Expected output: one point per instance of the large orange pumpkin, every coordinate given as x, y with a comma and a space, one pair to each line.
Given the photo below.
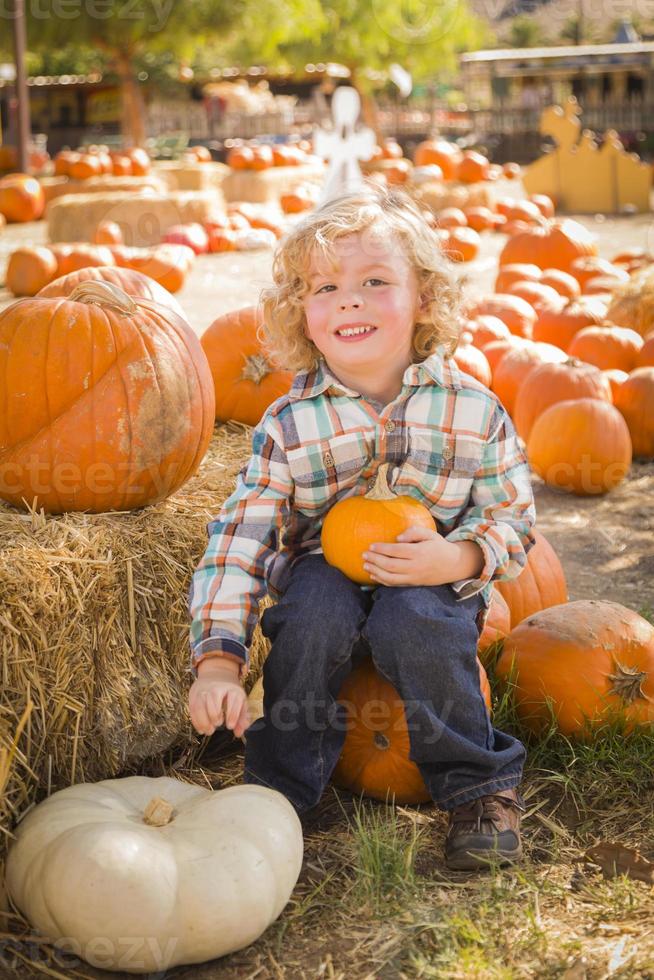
581, 446
375, 757
558, 327
245, 383
21, 198
556, 382
132, 282
646, 353
593, 660
354, 523
635, 400
472, 361
554, 245
540, 584
108, 403
30, 269
607, 347
516, 366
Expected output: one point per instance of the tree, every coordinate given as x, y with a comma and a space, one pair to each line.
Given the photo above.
123, 31
525, 32
367, 36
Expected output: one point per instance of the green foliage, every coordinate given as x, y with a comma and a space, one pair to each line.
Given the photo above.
525, 32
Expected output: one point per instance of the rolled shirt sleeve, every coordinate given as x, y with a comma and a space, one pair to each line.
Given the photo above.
230, 580
501, 509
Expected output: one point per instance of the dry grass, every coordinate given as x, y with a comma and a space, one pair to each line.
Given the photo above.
94, 634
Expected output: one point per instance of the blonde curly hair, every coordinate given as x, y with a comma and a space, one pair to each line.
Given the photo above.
283, 333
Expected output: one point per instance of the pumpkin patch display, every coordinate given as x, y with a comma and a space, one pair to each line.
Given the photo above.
375, 756
593, 661
540, 584
108, 402
166, 872
354, 523
245, 382
553, 245
582, 446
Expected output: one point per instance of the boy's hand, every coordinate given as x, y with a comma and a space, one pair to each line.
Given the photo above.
423, 557
216, 698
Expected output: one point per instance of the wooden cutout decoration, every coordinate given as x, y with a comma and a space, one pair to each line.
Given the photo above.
344, 146
582, 178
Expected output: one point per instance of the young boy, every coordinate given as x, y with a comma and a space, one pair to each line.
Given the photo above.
364, 309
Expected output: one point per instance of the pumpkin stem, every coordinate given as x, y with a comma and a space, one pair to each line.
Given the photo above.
158, 812
256, 368
627, 682
105, 294
381, 489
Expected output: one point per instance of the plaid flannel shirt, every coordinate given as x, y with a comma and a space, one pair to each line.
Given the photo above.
450, 443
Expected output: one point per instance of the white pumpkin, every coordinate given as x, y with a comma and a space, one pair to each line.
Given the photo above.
143, 874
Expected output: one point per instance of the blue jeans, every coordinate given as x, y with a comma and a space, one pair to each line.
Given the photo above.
422, 639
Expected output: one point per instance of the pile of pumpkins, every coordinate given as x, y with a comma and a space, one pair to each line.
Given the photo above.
265, 156
567, 346
94, 161
244, 227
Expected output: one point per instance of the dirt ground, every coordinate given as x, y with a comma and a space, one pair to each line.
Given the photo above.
606, 544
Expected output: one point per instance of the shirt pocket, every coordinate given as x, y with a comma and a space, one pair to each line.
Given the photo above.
438, 459
323, 469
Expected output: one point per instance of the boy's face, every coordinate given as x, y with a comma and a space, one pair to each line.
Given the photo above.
361, 306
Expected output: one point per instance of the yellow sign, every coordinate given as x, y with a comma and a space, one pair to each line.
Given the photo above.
103, 106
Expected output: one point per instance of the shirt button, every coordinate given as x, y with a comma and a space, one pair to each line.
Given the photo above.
328, 459
448, 452
390, 426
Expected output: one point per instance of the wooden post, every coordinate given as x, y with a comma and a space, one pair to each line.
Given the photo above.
22, 97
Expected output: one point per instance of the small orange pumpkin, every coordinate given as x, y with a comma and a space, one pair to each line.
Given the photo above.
557, 382
21, 198
29, 270
354, 523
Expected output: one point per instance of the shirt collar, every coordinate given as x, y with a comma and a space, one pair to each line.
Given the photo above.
435, 369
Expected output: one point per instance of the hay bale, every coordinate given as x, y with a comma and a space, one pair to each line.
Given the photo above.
143, 217
451, 194
267, 185
180, 176
94, 633
54, 187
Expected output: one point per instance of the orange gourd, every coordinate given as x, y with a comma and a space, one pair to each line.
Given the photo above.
592, 660
473, 167
108, 402
540, 584
551, 383
375, 756
645, 356
446, 155
30, 269
354, 523
245, 382
84, 166
581, 446
635, 400
615, 378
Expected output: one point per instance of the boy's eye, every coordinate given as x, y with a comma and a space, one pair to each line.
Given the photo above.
376, 281
327, 286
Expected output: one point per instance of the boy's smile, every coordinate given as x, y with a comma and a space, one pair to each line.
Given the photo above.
361, 309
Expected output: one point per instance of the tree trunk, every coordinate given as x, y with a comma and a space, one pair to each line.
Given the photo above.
368, 104
132, 123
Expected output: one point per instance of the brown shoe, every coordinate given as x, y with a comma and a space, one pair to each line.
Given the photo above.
485, 831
